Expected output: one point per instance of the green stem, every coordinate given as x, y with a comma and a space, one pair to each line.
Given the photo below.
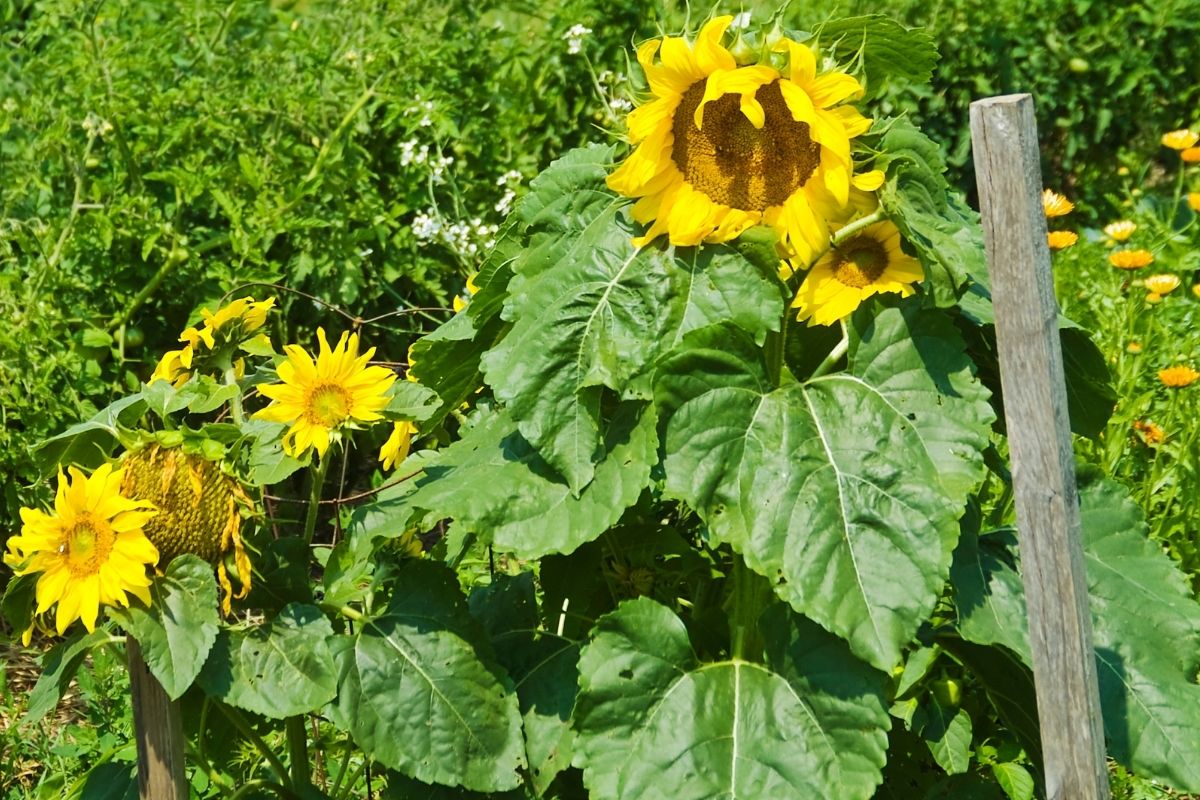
297, 738
858, 225
239, 722
749, 596
835, 355
235, 404
341, 773
349, 787
149, 289
345, 611
249, 786
314, 502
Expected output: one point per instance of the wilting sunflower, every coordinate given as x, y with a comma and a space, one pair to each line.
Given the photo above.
220, 334
318, 398
1055, 204
91, 551
722, 147
1131, 259
1181, 139
869, 262
1120, 230
198, 509
1178, 377
396, 448
1060, 240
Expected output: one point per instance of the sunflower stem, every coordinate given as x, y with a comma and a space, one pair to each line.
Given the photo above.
749, 596
235, 403
314, 503
244, 728
835, 355
857, 225
297, 738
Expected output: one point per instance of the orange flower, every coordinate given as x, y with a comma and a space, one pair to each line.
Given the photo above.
1131, 259
1149, 432
1162, 284
1178, 377
1060, 240
1191, 155
1055, 205
1133, 348
1194, 201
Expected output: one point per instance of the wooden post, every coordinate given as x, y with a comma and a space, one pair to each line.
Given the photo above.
158, 727
1004, 139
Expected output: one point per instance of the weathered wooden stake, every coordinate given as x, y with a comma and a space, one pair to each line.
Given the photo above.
1004, 139
159, 730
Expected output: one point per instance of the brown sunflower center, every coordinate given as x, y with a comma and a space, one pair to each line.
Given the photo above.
860, 262
736, 164
328, 405
87, 545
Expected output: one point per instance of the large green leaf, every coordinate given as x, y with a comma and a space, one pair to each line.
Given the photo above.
59, 665
940, 227
888, 50
1146, 629
179, 628
278, 669
543, 667
418, 691
655, 723
492, 482
89, 443
589, 310
827, 488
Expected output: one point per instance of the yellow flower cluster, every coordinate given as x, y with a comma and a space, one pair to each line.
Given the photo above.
231, 325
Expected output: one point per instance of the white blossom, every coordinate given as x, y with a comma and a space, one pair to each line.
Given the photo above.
574, 37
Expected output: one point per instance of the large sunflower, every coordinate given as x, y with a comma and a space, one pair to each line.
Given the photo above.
90, 552
869, 262
722, 147
319, 397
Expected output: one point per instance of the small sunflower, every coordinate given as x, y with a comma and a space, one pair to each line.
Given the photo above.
221, 332
198, 509
1178, 377
1181, 139
1120, 230
869, 262
723, 147
396, 448
1131, 259
1055, 204
1162, 284
1191, 155
1061, 240
319, 397
91, 551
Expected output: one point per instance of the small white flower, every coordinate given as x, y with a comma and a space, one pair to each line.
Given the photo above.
574, 37
620, 105
426, 121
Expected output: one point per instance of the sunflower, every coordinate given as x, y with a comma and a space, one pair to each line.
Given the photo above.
198, 509
91, 551
867, 263
1181, 139
318, 398
723, 147
1131, 259
1162, 284
396, 448
1060, 240
1055, 205
229, 327
1178, 377
1120, 230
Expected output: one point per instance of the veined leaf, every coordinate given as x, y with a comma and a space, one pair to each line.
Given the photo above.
278, 669
888, 50
179, 628
654, 723
590, 311
492, 482
59, 665
831, 489
418, 692
89, 443
1146, 629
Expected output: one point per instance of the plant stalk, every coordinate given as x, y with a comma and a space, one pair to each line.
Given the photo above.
314, 502
835, 355
297, 738
749, 596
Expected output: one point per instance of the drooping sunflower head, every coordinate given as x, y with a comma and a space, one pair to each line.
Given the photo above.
319, 397
867, 263
216, 341
721, 147
91, 551
199, 508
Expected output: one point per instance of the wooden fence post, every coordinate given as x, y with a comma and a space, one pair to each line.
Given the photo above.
158, 728
1007, 168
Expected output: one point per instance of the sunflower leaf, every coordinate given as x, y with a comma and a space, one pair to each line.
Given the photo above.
89, 443
811, 722
761, 466
888, 50
278, 669
418, 691
590, 312
179, 628
59, 665
1146, 629
494, 483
